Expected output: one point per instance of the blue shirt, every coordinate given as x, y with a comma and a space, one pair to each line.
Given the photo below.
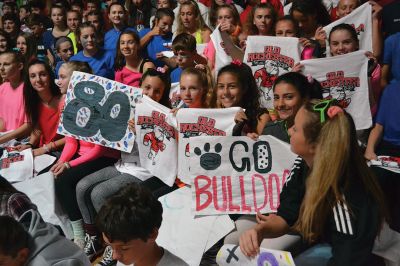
391, 56
156, 45
388, 113
49, 42
176, 75
111, 39
102, 63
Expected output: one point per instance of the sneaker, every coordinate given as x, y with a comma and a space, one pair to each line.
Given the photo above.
80, 242
92, 247
107, 259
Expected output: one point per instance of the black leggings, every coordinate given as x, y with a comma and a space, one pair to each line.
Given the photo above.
65, 184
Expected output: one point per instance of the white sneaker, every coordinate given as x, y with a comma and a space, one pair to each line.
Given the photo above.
107, 259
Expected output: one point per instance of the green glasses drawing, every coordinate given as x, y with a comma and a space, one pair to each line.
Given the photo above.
321, 108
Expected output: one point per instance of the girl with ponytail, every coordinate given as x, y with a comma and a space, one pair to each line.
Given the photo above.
331, 195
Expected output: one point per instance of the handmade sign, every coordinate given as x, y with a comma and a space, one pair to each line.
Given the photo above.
97, 110
238, 174
16, 166
361, 20
40, 191
231, 255
222, 57
387, 162
193, 122
269, 57
344, 77
156, 138
185, 236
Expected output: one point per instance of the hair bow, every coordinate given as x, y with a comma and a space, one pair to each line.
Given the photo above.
237, 62
333, 111
161, 70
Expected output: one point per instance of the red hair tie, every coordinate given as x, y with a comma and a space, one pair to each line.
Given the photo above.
237, 62
333, 111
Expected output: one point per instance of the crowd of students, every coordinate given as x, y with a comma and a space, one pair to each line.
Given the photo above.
130, 42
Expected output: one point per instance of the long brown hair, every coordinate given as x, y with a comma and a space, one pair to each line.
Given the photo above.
250, 28
338, 164
119, 58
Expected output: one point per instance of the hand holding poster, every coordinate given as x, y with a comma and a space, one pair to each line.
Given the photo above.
361, 20
270, 57
344, 77
97, 110
193, 122
231, 255
156, 137
238, 174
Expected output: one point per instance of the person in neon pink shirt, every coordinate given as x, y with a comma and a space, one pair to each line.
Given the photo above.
12, 111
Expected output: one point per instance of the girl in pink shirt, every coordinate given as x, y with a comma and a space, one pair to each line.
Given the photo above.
78, 159
129, 65
12, 111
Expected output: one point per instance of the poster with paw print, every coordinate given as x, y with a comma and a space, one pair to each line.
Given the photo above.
156, 137
194, 122
237, 175
269, 57
97, 110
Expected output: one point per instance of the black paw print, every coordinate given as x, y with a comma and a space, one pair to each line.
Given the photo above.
209, 160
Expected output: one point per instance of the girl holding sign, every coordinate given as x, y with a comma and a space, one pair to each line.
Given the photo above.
337, 200
237, 87
93, 190
129, 64
78, 159
343, 40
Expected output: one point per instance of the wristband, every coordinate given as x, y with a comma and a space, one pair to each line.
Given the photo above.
67, 165
46, 149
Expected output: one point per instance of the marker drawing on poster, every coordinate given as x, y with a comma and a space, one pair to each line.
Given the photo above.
231, 255
97, 110
237, 175
344, 77
269, 57
194, 122
156, 134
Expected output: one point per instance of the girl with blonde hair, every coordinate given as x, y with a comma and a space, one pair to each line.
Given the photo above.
191, 21
330, 194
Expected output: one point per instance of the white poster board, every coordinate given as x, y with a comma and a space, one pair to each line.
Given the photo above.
97, 110
237, 174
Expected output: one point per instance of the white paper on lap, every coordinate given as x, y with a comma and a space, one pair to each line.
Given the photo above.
184, 235
40, 190
41, 162
16, 166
